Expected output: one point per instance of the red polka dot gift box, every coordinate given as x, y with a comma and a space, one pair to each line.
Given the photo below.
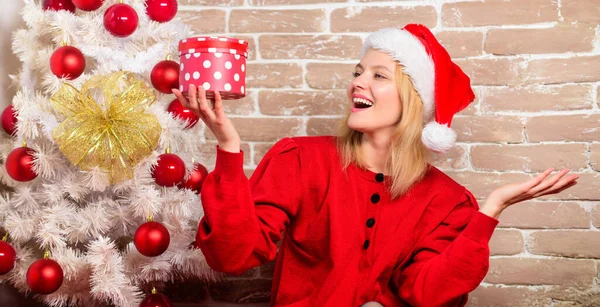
215, 63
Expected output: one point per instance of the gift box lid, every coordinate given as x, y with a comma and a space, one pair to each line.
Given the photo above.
213, 44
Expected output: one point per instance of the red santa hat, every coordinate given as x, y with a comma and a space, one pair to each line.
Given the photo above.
443, 87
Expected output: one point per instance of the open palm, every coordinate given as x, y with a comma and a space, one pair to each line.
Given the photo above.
540, 185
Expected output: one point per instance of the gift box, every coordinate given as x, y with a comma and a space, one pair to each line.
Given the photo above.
215, 63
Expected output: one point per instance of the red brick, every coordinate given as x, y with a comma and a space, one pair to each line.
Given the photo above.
462, 44
520, 296
212, 2
559, 39
323, 126
243, 106
329, 76
292, 2
536, 98
496, 71
303, 102
595, 156
528, 158
506, 242
584, 128
455, 158
488, 129
260, 150
532, 271
473, 107
575, 296
588, 187
508, 296
207, 154
596, 215
368, 19
551, 215
498, 12
251, 46
253, 21
581, 11
565, 243
204, 21
482, 184
274, 75
562, 70
320, 47
264, 129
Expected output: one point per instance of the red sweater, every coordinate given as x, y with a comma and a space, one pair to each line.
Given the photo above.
346, 241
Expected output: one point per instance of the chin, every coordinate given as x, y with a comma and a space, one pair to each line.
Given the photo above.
356, 125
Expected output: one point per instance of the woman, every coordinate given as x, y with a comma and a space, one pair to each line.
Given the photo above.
367, 219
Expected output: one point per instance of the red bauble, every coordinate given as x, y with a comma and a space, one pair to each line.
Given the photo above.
88, 5
120, 20
196, 178
161, 10
156, 300
67, 62
178, 110
44, 276
19, 164
151, 239
7, 257
9, 120
165, 76
169, 171
57, 5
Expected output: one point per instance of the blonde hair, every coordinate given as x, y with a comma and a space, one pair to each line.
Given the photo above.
408, 158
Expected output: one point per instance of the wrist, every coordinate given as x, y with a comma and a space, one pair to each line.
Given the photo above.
233, 147
492, 209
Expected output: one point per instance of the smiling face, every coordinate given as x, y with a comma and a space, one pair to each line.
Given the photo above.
374, 94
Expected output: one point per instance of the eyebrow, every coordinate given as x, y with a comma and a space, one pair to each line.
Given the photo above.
376, 66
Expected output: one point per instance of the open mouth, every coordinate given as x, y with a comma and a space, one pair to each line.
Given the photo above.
361, 103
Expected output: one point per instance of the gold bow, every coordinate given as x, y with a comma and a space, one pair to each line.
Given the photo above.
105, 123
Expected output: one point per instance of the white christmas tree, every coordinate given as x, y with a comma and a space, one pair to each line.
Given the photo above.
88, 176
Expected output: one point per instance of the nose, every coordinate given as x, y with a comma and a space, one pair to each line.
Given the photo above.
359, 82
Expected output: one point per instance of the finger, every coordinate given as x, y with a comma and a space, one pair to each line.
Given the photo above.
524, 188
558, 186
219, 112
549, 182
181, 98
572, 183
559, 190
192, 93
203, 102
539, 178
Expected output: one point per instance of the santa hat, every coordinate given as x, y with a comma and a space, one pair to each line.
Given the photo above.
443, 87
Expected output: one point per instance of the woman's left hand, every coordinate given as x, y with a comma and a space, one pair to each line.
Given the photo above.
540, 185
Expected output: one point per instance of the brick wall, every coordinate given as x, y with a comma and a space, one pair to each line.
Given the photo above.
535, 67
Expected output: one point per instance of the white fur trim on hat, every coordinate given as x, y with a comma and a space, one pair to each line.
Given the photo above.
438, 137
405, 48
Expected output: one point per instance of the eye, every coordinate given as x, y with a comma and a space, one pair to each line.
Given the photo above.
355, 74
379, 76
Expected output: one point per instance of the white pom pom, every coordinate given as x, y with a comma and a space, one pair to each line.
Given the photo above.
437, 137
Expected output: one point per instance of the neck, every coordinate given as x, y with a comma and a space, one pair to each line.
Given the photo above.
375, 148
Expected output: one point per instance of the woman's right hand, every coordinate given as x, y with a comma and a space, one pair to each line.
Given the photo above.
214, 117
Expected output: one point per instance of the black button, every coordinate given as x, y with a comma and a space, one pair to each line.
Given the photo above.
379, 177
366, 244
370, 222
375, 198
